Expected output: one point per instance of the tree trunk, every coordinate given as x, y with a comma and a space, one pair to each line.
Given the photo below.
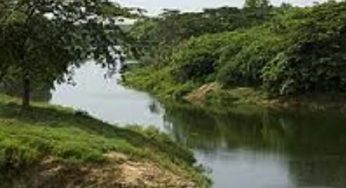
26, 91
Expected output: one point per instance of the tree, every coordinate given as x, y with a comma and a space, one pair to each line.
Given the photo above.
256, 3
261, 6
41, 39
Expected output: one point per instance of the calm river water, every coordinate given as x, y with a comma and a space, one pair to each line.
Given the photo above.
244, 148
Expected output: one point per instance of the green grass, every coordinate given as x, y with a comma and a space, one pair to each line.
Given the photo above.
237, 96
161, 84
28, 136
158, 82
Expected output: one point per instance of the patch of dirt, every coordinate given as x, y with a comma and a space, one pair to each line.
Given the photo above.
198, 95
118, 171
129, 173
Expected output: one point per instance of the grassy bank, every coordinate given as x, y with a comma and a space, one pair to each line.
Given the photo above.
50, 146
213, 95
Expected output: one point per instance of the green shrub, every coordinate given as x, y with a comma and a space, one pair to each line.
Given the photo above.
298, 51
315, 60
196, 59
242, 61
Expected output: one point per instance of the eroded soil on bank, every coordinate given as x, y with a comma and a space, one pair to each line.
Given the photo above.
117, 171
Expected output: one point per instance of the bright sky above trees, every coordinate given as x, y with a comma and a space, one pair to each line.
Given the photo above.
154, 6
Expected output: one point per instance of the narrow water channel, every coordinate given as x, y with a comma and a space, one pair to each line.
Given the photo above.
244, 148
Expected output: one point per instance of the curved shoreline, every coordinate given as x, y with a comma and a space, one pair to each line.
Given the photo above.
51, 146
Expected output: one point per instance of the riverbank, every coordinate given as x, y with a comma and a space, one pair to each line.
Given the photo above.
291, 58
214, 95
50, 146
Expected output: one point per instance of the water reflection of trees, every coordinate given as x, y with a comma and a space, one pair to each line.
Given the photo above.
154, 107
317, 149
200, 129
314, 143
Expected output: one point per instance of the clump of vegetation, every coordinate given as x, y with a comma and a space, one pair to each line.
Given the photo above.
41, 41
289, 51
314, 59
29, 137
172, 27
157, 81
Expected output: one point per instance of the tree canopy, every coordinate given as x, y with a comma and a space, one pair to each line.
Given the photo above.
42, 39
256, 3
173, 27
292, 51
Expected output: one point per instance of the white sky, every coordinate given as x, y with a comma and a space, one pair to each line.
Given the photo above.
154, 6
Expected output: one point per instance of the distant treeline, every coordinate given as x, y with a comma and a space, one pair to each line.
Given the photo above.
283, 50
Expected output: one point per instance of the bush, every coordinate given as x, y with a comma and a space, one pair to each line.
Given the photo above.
243, 60
315, 60
196, 59
298, 51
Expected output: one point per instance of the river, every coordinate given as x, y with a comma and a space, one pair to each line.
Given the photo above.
243, 148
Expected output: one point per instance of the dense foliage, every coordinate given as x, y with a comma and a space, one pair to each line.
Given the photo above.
173, 27
293, 51
42, 39
314, 59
